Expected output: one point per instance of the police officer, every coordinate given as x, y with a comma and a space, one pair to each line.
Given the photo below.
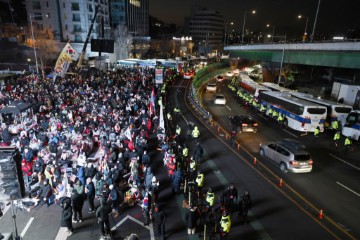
192, 170
195, 133
245, 204
274, 114
210, 199
335, 125
177, 132
336, 138
199, 182
230, 197
347, 144
280, 120
176, 111
225, 225
317, 131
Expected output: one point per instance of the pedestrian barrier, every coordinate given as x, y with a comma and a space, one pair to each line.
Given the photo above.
321, 214
280, 182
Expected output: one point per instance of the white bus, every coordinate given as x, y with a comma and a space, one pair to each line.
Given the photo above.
351, 128
298, 114
250, 86
335, 111
275, 87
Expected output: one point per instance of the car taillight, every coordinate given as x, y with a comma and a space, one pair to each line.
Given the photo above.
255, 124
310, 162
294, 163
244, 125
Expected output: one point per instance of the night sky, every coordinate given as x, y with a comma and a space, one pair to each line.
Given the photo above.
335, 16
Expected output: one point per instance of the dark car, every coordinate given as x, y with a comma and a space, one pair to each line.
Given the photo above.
243, 123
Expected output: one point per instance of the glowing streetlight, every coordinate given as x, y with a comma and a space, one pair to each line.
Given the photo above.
306, 24
273, 31
226, 37
243, 29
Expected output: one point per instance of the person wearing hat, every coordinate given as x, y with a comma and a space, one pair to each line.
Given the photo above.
66, 216
225, 225
159, 217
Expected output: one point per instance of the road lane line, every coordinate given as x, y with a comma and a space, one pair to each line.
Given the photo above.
290, 133
228, 107
26, 227
62, 234
349, 189
344, 162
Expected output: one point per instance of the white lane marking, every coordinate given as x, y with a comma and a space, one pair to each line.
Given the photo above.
228, 107
62, 234
26, 227
344, 162
149, 227
349, 189
290, 133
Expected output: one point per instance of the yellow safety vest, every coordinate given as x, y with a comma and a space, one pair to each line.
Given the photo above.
200, 180
178, 130
336, 136
335, 125
210, 197
193, 165
225, 223
185, 152
195, 133
347, 142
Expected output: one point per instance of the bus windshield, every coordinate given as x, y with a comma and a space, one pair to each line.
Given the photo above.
316, 110
343, 109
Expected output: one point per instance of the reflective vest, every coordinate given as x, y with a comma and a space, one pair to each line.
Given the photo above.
176, 110
316, 132
210, 198
335, 125
195, 133
347, 142
274, 113
185, 152
225, 223
262, 108
280, 118
178, 130
200, 180
336, 136
269, 112
192, 166
168, 116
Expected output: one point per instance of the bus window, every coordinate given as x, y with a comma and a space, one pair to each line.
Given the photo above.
343, 110
316, 110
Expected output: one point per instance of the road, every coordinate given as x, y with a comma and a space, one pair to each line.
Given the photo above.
283, 212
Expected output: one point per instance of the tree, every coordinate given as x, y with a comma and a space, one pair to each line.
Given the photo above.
122, 42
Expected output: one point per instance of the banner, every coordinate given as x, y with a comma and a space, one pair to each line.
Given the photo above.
158, 75
67, 55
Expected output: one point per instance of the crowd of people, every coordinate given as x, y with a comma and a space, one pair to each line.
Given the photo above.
90, 138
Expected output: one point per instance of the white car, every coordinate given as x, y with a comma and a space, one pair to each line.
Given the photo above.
211, 87
219, 99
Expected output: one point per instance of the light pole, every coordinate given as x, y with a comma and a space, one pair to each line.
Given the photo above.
32, 34
226, 37
243, 28
29, 60
313, 31
273, 31
306, 24
282, 56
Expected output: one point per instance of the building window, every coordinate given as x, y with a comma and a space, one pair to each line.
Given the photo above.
78, 38
36, 5
90, 7
75, 6
77, 28
38, 16
66, 27
63, 5
76, 18
90, 17
47, 4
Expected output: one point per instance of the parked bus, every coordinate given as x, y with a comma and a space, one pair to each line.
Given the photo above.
351, 128
335, 111
298, 114
250, 86
275, 87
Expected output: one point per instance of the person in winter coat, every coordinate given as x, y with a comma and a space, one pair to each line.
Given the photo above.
145, 159
102, 215
26, 168
159, 217
77, 204
148, 178
198, 152
191, 219
90, 194
81, 175
177, 180
66, 216
44, 193
115, 200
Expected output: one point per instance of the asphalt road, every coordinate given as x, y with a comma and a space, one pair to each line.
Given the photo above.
287, 212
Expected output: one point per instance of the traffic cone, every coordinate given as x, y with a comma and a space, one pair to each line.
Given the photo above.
255, 160
280, 182
321, 214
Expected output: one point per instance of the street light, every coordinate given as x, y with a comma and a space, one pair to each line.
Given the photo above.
306, 24
243, 28
313, 31
273, 31
282, 56
32, 33
226, 37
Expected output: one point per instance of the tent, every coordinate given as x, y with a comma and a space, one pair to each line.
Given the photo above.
16, 107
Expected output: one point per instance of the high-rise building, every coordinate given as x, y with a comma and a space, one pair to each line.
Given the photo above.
207, 30
134, 14
68, 19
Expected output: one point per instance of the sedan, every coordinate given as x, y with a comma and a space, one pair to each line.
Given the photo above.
220, 78
211, 87
243, 123
219, 99
289, 154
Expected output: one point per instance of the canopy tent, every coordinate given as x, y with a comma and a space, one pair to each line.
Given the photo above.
16, 107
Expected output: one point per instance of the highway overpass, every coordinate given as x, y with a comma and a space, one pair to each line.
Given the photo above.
329, 54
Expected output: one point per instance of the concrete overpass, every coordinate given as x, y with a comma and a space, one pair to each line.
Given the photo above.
334, 54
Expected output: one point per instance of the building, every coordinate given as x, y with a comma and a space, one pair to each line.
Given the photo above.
207, 30
69, 20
